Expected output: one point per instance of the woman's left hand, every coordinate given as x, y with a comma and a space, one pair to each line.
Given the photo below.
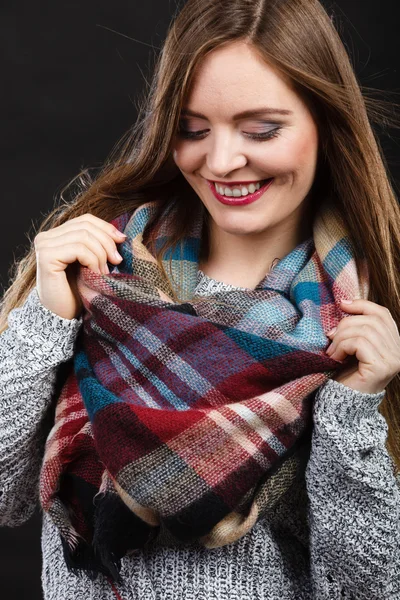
372, 337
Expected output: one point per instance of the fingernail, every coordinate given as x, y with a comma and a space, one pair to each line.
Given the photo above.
117, 255
347, 301
332, 331
121, 234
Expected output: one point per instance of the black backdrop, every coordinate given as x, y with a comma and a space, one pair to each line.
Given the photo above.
72, 72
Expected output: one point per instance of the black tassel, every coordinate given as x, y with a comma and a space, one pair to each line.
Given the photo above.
117, 530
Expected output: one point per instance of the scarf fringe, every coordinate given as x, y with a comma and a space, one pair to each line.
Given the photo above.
117, 532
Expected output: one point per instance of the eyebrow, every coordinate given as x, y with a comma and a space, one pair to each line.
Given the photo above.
186, 112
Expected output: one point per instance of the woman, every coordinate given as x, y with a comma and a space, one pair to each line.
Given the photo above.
208, 441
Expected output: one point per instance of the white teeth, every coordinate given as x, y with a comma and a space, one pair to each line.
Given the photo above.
242, 191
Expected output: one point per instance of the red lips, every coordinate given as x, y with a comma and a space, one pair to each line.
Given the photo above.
240, 200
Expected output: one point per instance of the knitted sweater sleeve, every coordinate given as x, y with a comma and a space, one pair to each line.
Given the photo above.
31, 349
354, 508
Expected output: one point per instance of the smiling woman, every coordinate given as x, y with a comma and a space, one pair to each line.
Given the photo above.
205, 441
236, 144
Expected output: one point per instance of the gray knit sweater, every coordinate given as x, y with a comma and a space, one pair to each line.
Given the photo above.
337, 536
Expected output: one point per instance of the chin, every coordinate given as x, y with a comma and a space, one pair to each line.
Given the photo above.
238, 226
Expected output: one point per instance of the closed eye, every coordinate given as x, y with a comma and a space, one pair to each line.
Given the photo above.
197, 135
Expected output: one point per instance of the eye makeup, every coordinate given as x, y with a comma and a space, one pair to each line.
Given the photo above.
197, 135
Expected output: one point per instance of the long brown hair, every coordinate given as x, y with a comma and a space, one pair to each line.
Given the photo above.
299, 38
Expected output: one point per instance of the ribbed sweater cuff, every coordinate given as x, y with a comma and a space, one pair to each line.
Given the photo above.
45, 333
347, 404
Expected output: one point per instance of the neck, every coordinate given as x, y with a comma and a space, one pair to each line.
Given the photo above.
244, 260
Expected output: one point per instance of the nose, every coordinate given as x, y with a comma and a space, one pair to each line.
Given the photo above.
224, 157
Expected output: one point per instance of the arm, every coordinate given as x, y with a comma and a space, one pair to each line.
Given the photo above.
354, 509
31, 349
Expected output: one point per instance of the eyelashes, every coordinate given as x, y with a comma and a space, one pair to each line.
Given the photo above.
268, 135
199, 135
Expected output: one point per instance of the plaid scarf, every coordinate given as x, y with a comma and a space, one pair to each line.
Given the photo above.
189, 420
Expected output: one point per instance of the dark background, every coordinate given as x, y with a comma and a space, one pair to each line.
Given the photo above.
71, 77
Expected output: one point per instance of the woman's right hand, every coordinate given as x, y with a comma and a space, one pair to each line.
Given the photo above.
87, 239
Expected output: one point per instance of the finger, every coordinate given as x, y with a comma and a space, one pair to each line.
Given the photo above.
362, 348
366, 331
349, 322
79, 237
369, 361
96, 239
58, 258
366, 307
100, 223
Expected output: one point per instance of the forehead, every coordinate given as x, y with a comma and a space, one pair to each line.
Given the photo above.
234, 77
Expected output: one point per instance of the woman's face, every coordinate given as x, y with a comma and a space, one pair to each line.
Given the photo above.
229, 81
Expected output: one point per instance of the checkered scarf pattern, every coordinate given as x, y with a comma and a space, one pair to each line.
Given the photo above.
189, 418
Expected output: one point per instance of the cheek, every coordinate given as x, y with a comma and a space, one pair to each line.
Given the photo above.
185, 156
306, 151
296, 155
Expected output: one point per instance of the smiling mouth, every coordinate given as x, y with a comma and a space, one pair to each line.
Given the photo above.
236, 191
235, 198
